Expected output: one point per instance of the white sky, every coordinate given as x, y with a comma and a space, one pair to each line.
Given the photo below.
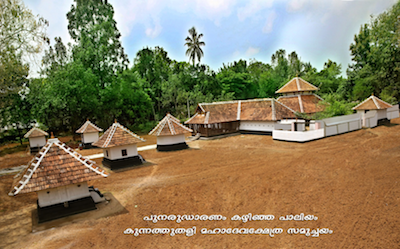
317, 30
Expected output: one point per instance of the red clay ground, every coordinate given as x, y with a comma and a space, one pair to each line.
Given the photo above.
350, 182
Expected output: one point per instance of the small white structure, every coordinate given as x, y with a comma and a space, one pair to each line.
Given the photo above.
89, 134
37, 139
170, 134
372, 103
59, 175
120, 147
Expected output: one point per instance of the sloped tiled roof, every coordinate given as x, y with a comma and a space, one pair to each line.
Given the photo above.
88, 127
297, 84
117, 135
35, 132
372, 103
169, 125
264, 110
302, 103
54, 166
228, 111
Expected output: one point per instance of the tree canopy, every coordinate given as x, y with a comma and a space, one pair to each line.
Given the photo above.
92, 78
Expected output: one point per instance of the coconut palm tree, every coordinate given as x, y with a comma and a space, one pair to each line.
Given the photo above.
193, 42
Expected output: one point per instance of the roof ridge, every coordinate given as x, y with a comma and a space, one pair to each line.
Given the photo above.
168, 120
84, 162
35, 166
384, 101
300, 103
83, 128
273, 110
130, 132
298, 80
110, 135
162, 122
171, 127
35, 129
375, 102
285, 106
43, 152
239, 110
191, 117
298, 84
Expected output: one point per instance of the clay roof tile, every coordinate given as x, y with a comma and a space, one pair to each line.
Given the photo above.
88, 127
35, 132
372, 103
169, 125
297, 84
117, 135
54, 166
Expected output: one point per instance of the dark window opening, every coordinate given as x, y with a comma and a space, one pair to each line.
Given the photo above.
124, 153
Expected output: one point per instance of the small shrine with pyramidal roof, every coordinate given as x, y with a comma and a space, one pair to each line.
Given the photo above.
59, 175
89, 134
37, 139
120, 147
170, 134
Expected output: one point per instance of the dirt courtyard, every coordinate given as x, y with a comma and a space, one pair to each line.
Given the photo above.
350, 182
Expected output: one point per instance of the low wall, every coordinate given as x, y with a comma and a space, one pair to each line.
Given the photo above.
287, 125
392, 112
371, 119
298, 136
342, 124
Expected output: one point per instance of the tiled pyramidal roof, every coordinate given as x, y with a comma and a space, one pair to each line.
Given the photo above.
297, 84
117, 135
88, 127
372, 103
169, 125
302, 103
35, 132
54, 166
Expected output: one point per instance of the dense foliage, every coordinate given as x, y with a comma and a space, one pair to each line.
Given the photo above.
92, 79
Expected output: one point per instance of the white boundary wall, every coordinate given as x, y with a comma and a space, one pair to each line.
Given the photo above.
333, 126
298, 136
287, 125
257, 125
371, 119
342, 124
392, 112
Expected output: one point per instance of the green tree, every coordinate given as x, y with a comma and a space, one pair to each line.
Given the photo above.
21, 31
194, 45
55, 58
154, 66
13, 76
376, 56
66, 97
92, 26
22, 34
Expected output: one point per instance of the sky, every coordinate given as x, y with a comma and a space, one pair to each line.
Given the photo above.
317, 30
